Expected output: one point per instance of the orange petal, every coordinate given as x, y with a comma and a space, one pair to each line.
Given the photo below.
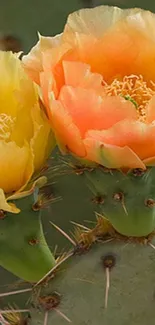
48, 85
52, 62
66, 132
111, 55
149, 161
90, 111
150, 112
139, 137
96, 21
78, 74
111, 156
107, 43
33, 61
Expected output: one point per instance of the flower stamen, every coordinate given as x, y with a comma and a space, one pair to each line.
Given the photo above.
6, 126
135, 88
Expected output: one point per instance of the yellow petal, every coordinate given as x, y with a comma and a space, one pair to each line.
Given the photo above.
12, 73
16, 166
26, 99
4, 205
43, 141
6, 126
40, 182
18, 96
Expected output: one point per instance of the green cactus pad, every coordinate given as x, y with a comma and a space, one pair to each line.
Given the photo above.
23, 249
78, 290
127, 200
79, 294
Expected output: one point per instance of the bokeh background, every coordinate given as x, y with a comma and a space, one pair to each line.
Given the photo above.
22, 19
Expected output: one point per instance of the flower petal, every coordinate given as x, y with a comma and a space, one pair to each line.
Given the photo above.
52, 77
149, 161
41, 146
38, 183
138, 136
111, 156
91, 111
96, 21
11, 83
66, 132
32, 62
52, 62
25, 101
78, 74
16, 166
150, 111
4, 205
18, 96
48, 85
107, 44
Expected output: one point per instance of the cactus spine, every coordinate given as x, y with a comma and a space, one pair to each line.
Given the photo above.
127, 200
103, 271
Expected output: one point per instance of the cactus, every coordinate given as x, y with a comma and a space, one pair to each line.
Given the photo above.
103, 115
100, 272
101, 286
24, 250
104, 273
126, 199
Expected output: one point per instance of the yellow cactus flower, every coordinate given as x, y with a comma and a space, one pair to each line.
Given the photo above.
25, 135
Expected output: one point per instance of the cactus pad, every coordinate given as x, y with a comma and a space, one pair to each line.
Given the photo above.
23, 249
127, 200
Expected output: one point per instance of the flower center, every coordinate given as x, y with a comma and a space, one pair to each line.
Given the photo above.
132, 88
6, 126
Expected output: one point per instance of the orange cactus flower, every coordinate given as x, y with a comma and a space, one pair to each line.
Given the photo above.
97, 81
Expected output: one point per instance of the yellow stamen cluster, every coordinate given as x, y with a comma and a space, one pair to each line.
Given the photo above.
132, 87
6, 126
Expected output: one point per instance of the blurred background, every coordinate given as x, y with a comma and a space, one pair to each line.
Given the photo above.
20, 20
